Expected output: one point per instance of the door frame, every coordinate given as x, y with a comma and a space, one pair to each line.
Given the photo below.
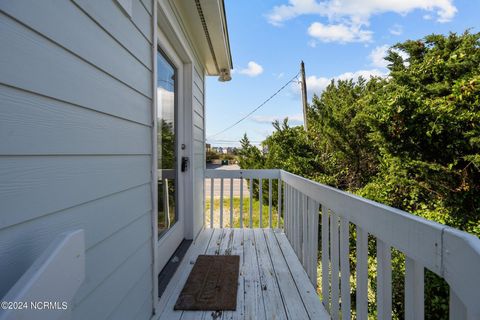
168, 35
173, 236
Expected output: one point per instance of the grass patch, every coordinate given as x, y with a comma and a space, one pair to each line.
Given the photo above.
245, 213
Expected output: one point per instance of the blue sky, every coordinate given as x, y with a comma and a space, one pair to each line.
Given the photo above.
335, 39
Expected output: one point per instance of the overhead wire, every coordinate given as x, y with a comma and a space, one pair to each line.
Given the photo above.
255, 109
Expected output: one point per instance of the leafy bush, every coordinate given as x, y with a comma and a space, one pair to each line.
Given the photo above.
410, 140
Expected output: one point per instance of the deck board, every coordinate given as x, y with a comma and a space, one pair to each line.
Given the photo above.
272, 282
254, 308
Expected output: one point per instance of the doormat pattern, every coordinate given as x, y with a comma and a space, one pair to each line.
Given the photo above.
211, 285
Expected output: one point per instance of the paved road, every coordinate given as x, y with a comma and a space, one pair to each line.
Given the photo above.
226, 184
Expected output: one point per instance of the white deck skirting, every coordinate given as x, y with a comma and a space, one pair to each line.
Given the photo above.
272, 283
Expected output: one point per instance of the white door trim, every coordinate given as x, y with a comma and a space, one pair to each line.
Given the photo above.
169, 37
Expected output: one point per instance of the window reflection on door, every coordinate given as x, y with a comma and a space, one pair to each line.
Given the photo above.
166, 144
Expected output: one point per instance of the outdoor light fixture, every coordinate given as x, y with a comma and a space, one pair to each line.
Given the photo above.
224, 75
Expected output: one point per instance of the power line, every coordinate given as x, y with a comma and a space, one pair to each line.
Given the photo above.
253, 111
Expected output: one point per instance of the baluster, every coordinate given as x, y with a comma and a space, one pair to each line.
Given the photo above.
335, 264
279, 209
295, 214
325, 259
241, 201
287, 212
362, 274
290, 219
292, 215
414, 285
384, 280
221, 202
304, 230
211, 201
231, 203
313, 239
345, 267
269, 203
251, 202
260, 199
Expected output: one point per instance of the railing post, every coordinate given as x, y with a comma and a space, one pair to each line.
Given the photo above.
456, 308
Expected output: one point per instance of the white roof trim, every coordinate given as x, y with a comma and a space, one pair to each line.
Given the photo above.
206, 25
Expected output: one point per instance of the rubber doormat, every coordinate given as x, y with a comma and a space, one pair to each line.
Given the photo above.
211, 285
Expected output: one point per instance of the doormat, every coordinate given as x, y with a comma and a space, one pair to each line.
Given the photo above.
211, 285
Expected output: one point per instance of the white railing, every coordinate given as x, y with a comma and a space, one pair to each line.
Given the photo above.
244, 179
46, 289
450, 253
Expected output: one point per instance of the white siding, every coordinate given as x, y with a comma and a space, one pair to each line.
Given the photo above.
75, 145
198, 164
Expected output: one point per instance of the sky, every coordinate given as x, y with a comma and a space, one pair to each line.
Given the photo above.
336, 39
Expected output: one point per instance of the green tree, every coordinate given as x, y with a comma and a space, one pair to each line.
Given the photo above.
410, 140
249, 156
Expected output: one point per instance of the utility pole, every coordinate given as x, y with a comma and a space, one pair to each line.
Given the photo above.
304, 95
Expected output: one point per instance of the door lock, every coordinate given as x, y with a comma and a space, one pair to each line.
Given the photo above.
185, 161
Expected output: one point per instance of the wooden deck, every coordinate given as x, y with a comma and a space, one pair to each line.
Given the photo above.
272, 284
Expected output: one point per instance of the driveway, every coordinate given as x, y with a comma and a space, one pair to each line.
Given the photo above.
226, 184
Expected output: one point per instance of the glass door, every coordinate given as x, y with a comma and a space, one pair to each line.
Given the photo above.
166, 144
169, 191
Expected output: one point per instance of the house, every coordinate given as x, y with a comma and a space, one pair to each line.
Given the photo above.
102, 171
89, 92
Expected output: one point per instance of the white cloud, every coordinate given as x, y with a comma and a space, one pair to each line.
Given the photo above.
396, 30
253, 69
315, 85
378, 54
349, 18
366, 74
269, 119
359, 11
339, 33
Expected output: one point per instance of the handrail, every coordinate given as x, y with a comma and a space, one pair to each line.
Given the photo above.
450, 253
417, 237
46, 289
245, 174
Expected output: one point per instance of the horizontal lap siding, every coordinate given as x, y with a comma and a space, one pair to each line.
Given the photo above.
32, 125
198, 148
75, 147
